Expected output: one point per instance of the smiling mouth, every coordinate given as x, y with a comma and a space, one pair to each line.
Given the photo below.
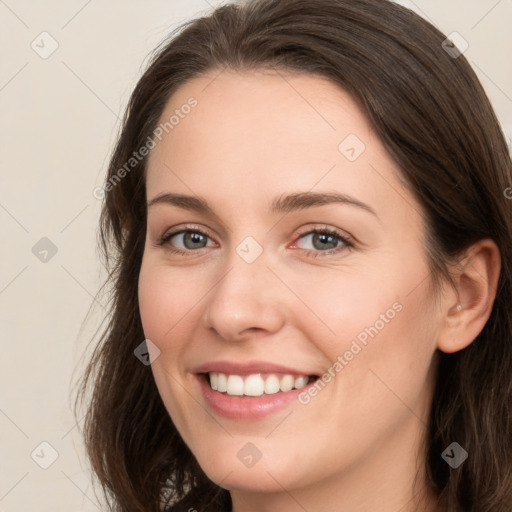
257, 384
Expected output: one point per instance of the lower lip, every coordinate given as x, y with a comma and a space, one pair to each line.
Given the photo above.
247, 407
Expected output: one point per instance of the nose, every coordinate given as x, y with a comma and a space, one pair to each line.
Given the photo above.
246, 301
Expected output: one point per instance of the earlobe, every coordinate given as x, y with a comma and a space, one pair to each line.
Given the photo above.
467, 310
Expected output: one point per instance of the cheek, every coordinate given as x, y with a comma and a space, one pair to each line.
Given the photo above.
166, 300
376, 329
166, 305
340, 305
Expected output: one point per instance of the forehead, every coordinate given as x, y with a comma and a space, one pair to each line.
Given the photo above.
265, 114
254, 135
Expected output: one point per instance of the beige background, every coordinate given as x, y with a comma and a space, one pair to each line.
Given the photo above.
59, 118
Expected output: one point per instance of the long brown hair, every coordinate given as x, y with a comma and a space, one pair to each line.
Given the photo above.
435, 120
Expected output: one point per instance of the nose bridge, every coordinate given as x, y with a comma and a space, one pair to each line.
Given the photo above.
244, 299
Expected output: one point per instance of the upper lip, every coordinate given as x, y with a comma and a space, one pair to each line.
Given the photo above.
252, 367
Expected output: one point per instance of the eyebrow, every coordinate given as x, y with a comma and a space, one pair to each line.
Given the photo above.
282, 204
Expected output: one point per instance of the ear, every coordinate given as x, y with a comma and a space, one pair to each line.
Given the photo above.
468, 305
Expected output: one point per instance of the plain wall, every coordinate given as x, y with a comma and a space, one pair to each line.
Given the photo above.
59, 118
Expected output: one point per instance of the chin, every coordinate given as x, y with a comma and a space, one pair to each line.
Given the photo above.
230, 471
248, 480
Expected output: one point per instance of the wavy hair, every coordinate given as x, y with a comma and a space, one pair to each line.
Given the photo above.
435, 120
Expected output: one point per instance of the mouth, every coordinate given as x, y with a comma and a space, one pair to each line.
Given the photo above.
256, 384
251, 390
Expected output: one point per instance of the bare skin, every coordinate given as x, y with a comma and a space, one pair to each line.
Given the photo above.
356, 446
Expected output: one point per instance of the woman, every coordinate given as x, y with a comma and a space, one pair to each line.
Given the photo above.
309, 240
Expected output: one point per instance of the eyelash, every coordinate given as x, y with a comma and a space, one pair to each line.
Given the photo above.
345, 242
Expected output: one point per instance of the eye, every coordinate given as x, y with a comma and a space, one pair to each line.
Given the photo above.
316, 242
185, 240
325, 240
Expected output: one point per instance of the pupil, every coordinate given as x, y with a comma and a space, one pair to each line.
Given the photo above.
194, 239
325, 238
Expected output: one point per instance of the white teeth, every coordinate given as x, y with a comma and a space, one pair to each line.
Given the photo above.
222, 382
286, 383
300, 382
214, 381
235, 385
255, 384
271, 385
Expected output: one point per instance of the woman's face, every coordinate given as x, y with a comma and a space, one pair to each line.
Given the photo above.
241, 278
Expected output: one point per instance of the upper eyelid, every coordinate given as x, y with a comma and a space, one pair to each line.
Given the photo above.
301, 230
198, 229
323, 227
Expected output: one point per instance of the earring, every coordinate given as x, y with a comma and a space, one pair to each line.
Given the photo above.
459, 307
